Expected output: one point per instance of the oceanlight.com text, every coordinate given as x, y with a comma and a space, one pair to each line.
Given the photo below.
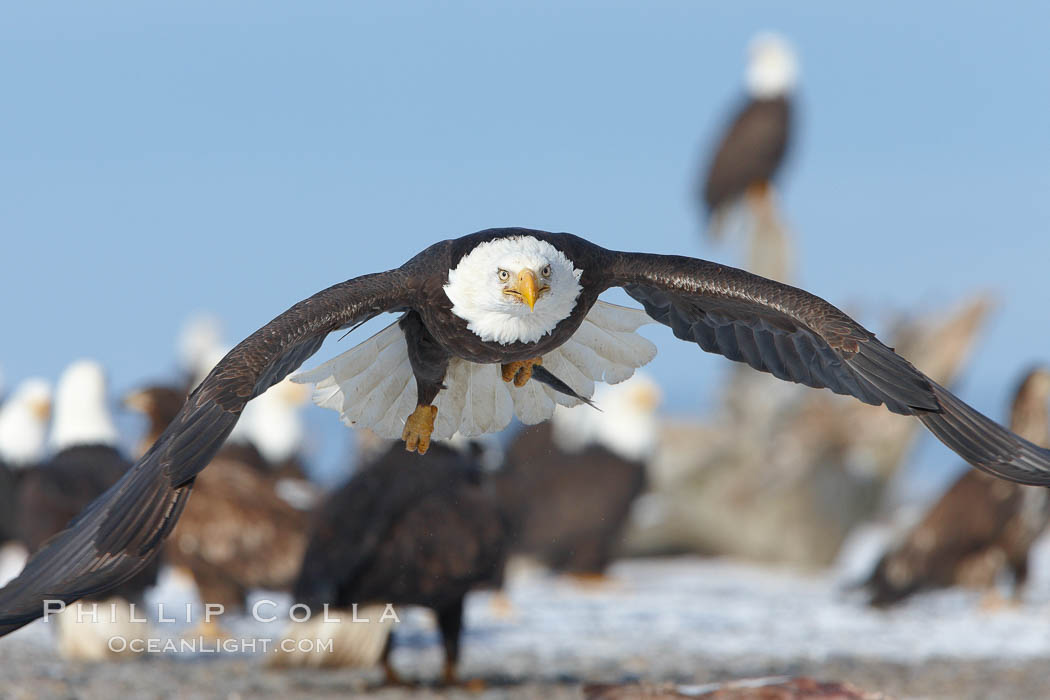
200, 645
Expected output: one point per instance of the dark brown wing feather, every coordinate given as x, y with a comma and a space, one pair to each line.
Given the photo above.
750, 152
119, 533
52, 494
799, 337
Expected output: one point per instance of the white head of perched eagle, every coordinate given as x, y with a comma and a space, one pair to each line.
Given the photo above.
772, 69
23, 423
82, 415
464, 361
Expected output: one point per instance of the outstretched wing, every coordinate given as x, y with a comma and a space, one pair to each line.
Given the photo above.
119, 533
799, 337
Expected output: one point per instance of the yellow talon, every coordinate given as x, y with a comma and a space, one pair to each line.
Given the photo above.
418, 428
521, 371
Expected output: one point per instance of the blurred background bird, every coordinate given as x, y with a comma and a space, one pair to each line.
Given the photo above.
24, 417
409, 530
750, 154
567, 485
981, 527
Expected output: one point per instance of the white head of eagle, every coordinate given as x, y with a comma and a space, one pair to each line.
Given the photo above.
772, 69
513, 289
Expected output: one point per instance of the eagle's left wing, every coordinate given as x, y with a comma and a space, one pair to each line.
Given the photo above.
119, 533
799, 337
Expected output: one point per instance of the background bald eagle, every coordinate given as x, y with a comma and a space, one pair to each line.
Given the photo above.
981, 526
407, 530
568, 484
23, 431
750, 154
751, 151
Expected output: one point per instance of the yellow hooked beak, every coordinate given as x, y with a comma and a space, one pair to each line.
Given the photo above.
42, 409
527, 287
137, 401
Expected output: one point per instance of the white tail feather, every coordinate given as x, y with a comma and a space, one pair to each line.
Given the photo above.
107, 637
371, 385
353, 644
531, 403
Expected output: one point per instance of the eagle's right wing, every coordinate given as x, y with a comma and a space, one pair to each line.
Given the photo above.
799, 337
120, 532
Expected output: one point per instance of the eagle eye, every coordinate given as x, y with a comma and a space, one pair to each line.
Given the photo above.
503, 275
546, 271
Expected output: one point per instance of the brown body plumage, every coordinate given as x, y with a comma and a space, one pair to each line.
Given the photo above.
750, 153
567, 509
980, 526
407, 529
773, 327
9, 481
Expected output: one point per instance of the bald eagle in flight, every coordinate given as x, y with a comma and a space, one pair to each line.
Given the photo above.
478, 314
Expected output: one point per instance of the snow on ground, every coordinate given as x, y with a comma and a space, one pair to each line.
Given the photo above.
657, 619
680, 606
723, 610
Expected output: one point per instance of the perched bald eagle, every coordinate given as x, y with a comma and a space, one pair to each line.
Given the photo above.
980, 526
407, 531
752, 149
478, 313
86, 462
237, 533
23, 436
568, 484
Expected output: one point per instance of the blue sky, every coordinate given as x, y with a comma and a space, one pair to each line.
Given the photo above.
162, 160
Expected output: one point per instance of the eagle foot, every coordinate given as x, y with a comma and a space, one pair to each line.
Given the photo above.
521, 371
591, 579
418, 428
210, 631
392, 678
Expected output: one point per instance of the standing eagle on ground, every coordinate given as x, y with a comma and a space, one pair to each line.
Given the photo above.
751, 152
980, 525
406, 531
480, 315
568, 484
23, 436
